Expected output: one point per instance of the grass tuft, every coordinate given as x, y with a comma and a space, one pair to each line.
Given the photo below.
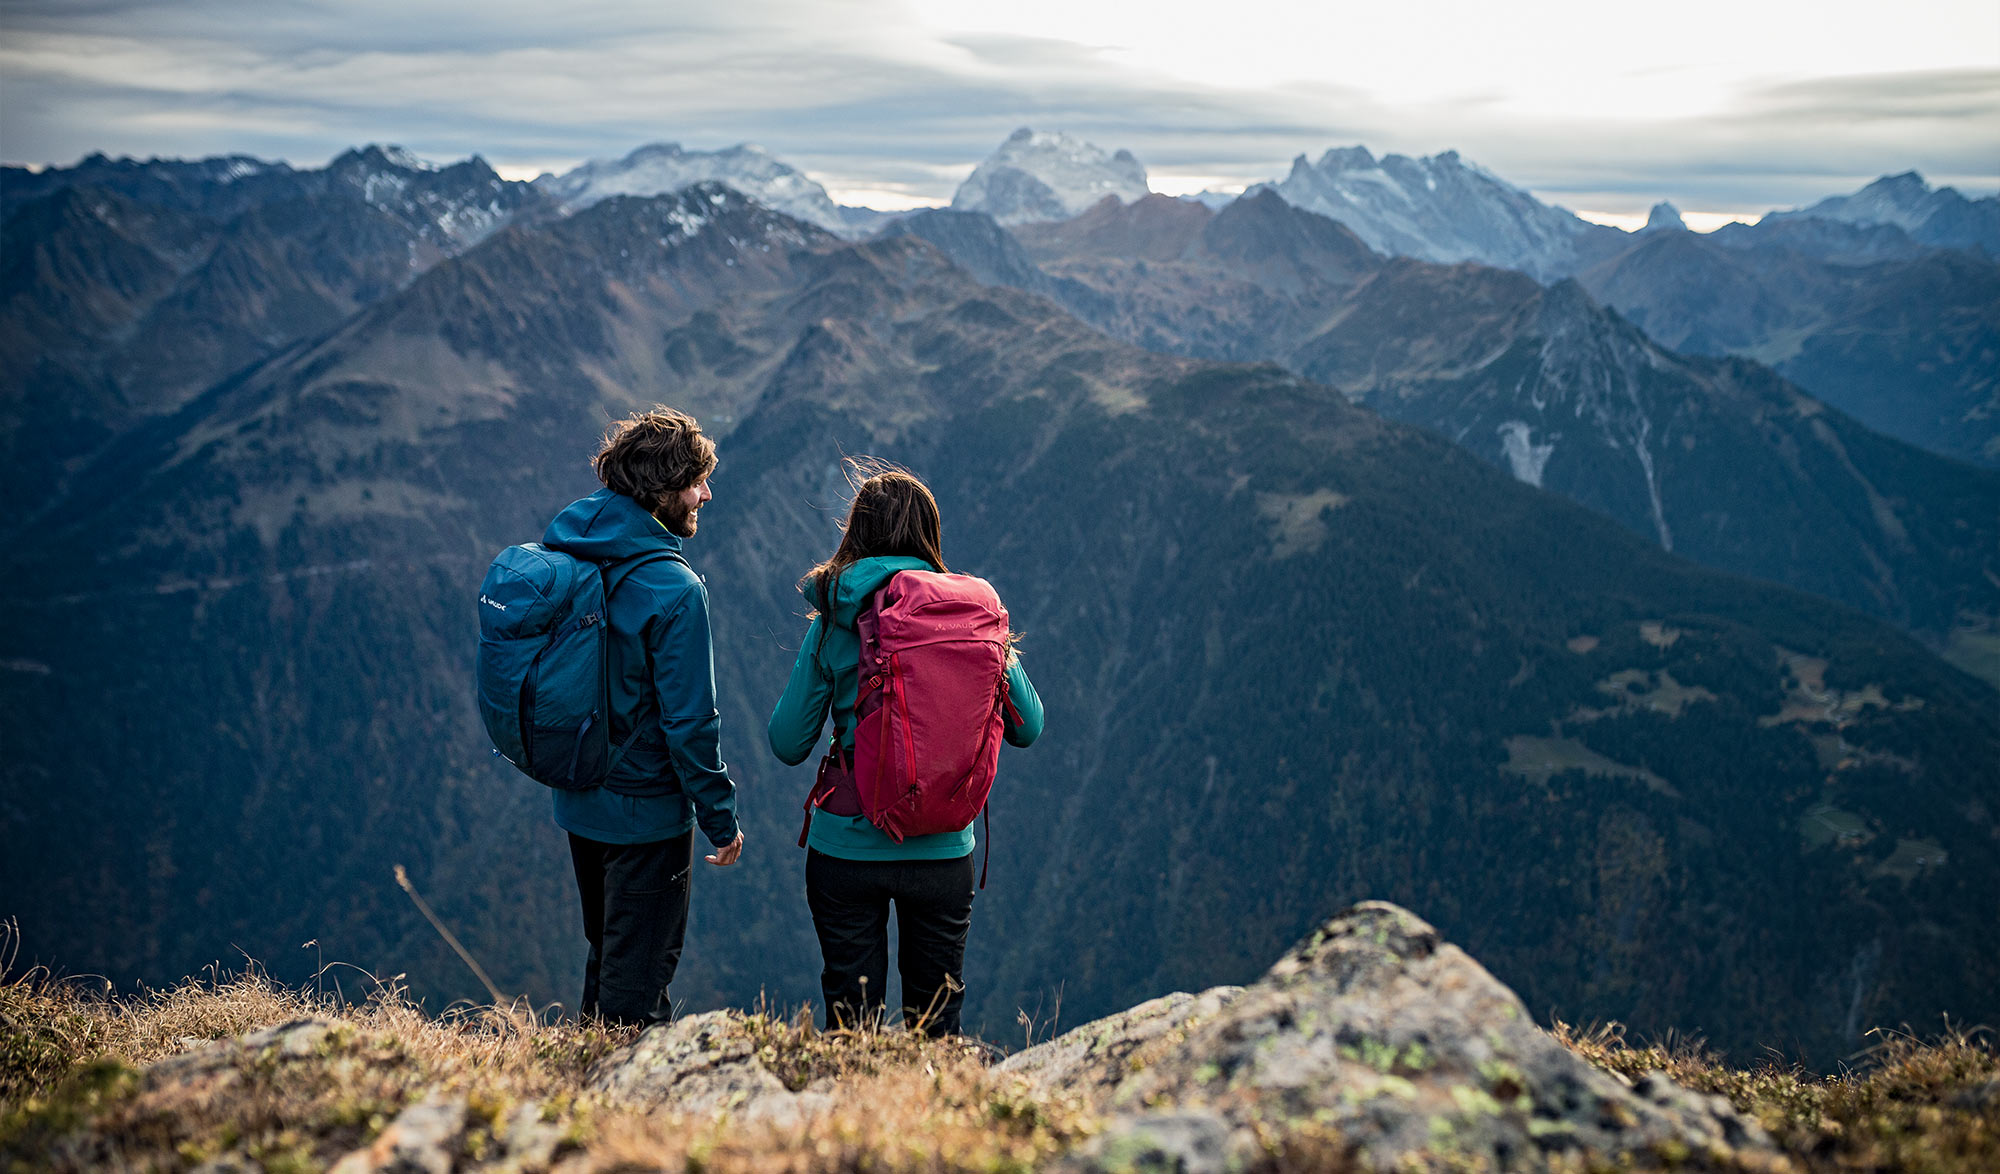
1911, 1104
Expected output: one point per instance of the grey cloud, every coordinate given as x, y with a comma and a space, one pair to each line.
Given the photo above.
1929, 94
1028, 52
849, 95
287, 31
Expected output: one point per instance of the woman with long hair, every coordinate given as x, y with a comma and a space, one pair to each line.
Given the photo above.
854, 870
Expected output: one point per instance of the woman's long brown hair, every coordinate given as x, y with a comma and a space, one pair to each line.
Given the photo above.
893, 514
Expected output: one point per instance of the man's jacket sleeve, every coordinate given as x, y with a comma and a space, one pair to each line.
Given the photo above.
684, 678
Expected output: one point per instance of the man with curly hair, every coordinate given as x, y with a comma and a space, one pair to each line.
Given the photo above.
631, 839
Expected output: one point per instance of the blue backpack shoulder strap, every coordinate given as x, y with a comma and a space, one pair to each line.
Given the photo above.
615, 574
618, 572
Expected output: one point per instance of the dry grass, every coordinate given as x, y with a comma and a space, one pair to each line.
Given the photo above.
897, 1101
50, 1026
954, 1116
1909, 1104
72, 1096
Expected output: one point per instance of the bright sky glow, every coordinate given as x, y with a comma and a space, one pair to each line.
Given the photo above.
1187, 185
1725, 107
1696, 221
1565, 58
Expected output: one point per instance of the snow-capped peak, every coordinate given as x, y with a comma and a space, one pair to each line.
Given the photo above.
1048, 175
1905, 201
1440, 208
380, 155
1934, 216
661, 168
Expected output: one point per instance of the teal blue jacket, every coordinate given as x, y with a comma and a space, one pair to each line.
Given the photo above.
823, 680
662, 667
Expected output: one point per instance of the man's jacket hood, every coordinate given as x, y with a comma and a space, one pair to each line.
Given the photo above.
855, 584
608, 527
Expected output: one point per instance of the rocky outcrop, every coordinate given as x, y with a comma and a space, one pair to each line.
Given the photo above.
423, 1139
1373, 1042
431, 1136
206, 1066
702, 1064
1093, 1060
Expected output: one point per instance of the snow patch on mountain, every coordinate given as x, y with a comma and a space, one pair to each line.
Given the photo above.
1048, 175
662, 168
1525, 458
1443, 208
451, 206
237, 167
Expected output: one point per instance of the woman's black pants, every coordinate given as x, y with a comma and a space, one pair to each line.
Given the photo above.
850, 902
635, 914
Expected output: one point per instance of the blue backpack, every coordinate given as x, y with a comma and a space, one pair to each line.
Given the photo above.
542, 673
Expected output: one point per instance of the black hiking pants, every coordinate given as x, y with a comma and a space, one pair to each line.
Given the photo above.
850, 902
635, 912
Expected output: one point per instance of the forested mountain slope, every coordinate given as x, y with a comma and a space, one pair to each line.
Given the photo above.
1293, 654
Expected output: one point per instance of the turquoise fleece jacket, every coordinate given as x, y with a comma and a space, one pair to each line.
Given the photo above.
662, 683
823, 680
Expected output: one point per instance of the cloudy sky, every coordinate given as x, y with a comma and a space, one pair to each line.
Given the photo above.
1727, 107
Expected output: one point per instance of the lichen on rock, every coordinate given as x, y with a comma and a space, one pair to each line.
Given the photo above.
1375, 1032
705, 1063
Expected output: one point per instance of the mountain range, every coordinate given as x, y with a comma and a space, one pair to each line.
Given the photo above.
1828, 295
132, 286
1721, 460
1940, 217
126, 289
1824, 294
1904, 337
1882, 303
1294, 652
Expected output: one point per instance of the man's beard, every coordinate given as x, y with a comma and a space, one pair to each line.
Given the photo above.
679, 520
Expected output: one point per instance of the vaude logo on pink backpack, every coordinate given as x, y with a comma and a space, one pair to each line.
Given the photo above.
930, 705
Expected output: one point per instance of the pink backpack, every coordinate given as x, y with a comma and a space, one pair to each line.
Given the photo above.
929, 706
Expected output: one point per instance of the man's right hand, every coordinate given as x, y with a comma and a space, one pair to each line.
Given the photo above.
726, 855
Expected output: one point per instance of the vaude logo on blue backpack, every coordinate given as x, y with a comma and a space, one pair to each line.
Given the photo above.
542, 673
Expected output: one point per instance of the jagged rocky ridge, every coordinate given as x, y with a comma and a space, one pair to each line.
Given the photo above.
129, 288
1884, 303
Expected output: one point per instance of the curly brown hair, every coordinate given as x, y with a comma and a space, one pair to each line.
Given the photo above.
651, 455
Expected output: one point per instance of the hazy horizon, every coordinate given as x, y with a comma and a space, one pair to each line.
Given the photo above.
1725, 110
